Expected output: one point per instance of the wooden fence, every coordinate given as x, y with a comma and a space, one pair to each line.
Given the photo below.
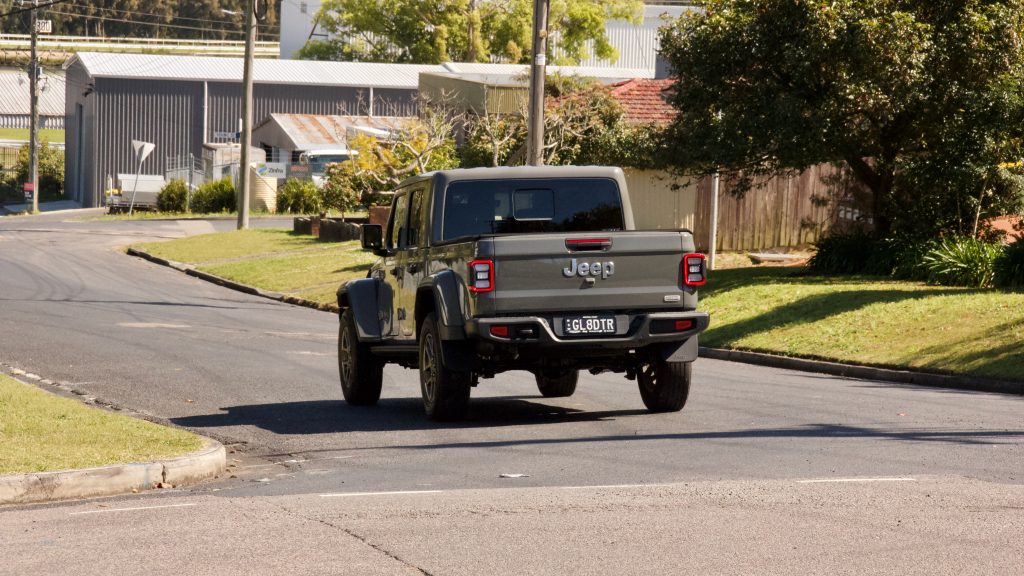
777, 212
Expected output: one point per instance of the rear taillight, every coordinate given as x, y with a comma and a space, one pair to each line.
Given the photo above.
481, 276
694, 270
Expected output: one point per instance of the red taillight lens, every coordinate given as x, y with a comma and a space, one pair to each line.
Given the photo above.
501, 331
694, 270
683, 325
481, 276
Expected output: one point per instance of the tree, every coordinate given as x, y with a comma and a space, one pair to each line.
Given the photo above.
437, 31
882, 86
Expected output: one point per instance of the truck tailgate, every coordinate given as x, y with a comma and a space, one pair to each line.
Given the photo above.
583, 272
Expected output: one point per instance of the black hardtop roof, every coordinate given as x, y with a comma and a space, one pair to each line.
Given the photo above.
443, 177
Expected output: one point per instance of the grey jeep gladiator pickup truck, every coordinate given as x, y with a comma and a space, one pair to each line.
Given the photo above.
530, 268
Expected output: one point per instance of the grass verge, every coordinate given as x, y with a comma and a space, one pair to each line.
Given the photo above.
47, 134
866, 320
271, 259
42, 432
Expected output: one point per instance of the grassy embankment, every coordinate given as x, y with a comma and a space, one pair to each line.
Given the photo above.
271, 259
859, 320
42, 432
22, 134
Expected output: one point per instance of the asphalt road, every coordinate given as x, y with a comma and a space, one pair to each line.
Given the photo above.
765, 471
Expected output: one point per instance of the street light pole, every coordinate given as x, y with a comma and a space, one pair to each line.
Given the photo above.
535, 128
33, 131
246, 136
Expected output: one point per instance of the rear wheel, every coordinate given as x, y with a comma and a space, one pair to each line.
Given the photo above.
361, 373
557, 383
445, 391
664, 386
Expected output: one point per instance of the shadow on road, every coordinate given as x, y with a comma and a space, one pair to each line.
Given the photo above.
393, 414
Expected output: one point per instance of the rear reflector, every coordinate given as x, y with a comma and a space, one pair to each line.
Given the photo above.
683, 325
694, 270
481, 276
501, 331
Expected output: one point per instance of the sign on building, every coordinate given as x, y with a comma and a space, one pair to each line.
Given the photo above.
272, 169
226, 135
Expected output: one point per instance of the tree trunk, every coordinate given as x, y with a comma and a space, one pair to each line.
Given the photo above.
879, 179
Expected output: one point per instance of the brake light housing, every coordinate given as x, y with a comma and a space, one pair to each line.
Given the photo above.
481, 276
695, 270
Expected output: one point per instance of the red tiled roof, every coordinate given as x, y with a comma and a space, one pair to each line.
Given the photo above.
645, 100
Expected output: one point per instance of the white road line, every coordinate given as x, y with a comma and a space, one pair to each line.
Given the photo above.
150, 325
606, 486
129, 509
398, 493
827, 480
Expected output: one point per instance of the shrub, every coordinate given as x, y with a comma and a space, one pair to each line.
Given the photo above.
215, 196
1010, 266
900, 257
300, 197
962, 261
173, 197
846, 253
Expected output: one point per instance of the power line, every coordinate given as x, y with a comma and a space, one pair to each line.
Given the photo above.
30, 8
158, 24
138, 13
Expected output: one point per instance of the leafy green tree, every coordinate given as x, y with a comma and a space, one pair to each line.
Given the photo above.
886, 87
436, 31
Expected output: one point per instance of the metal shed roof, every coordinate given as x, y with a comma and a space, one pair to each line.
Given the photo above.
14, 94
299, 72
510, 70
312, 131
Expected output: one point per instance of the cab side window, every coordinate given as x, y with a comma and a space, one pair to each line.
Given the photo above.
417, 214
399, 227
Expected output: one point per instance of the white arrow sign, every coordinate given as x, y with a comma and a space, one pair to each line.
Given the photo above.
142, 150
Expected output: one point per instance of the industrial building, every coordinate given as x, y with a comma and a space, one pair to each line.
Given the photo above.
181, 103
15, 100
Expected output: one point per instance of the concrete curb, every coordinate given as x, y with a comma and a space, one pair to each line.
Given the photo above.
206, 463
192, 271
866, 372
770, 360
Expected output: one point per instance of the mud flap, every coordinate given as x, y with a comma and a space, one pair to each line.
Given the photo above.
680, 351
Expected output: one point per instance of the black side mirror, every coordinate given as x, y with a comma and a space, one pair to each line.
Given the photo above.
371, 236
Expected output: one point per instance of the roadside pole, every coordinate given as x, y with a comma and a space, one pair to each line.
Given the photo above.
246, 136
33, 131
535, 135
713, 241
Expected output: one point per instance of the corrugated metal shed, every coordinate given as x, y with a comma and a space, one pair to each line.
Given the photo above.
212, 69
511, 70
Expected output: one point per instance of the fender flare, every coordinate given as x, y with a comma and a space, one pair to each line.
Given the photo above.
361, 296
447, 292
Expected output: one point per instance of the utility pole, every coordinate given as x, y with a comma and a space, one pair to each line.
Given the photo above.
535, 128
33, 131
246, 136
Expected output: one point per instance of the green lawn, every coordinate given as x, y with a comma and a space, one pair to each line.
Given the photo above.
780, 310
42, 432
865, 320
22, 134
271, 259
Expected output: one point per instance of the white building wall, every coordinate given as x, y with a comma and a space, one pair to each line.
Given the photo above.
297, 23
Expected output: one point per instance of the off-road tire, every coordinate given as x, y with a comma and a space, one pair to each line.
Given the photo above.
361, 373
557, 384
664, 386
445, 391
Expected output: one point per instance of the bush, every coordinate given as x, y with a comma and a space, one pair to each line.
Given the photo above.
300, 197
962, 261
173, 197
900, 257
1010, 266
215, 196
847, 253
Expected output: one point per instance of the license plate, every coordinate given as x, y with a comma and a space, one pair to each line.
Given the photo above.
588, 325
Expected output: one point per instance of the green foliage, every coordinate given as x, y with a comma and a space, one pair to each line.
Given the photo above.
51, 174
962, 261
842, 253
1010, 266
900, 257
437, 31
885, 86
339, 191
215, 196
173, 196
299, 197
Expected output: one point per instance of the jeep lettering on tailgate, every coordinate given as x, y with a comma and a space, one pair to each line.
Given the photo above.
602, 269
